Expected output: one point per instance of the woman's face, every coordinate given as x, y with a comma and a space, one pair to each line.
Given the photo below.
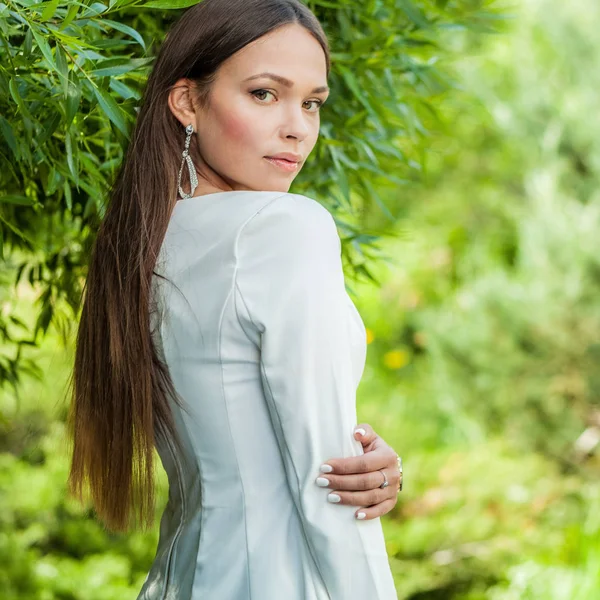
252, 116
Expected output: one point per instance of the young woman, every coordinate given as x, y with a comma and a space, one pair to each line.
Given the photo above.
217, 329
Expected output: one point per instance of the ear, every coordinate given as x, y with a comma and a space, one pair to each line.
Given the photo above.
180, 103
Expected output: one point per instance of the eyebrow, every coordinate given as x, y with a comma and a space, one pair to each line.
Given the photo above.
286, 82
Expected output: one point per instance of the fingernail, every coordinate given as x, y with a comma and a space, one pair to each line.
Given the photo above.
361, 515
326, 468
360, 431
322, 481
333, 498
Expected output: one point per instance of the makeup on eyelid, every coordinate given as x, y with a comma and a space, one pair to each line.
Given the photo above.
319, 103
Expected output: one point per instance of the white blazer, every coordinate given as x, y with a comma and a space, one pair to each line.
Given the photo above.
266, 349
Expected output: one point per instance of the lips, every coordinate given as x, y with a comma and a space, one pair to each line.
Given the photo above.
285, 164
288, 156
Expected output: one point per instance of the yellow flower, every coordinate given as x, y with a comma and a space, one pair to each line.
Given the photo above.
396, 359
370, 335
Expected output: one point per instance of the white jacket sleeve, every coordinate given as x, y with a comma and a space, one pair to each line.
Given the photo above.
290, 281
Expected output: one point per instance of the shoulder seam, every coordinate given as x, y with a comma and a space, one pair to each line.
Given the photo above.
236, 265
263, 207
250, 218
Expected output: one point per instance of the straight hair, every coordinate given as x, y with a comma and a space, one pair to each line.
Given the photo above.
120, 389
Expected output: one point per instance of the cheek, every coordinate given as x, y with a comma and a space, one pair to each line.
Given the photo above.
239, 128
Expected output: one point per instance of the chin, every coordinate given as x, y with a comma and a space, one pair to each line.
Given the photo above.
276, 187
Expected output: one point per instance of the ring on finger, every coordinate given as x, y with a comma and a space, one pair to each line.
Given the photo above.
385, 480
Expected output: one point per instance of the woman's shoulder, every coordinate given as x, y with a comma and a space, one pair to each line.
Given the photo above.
293, 213
290, 225
302, 205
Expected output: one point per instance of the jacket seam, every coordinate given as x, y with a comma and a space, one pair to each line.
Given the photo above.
231, 298
298, 486
235, 252
262, 369
172, 552
220, 337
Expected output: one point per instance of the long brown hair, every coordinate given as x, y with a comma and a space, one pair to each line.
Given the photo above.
120, 387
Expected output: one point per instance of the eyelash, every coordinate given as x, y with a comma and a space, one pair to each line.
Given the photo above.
319, 102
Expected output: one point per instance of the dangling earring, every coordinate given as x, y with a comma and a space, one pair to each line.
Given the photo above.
187, 158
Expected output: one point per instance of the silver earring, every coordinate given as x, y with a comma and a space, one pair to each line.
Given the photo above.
187, 158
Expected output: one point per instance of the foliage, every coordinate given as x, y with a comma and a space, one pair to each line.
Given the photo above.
71, 76
488, 331
482, 362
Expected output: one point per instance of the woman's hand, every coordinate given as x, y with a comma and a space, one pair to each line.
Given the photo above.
356, 479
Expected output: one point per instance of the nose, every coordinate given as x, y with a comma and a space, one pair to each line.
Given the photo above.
296, 123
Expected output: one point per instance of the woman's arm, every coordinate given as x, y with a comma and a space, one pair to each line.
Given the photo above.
290, 288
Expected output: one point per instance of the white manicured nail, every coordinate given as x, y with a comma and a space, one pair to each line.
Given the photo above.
333, 498
360, 431
361, 515
322, 482
326, 468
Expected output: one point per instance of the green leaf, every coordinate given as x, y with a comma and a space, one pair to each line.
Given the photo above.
49, 126
354, 86
72, 157
366, 238
45, 316
45, 48
68, 195
389, 150
366, 148
95, 9
117, 66
375, 195
412, 11
18, 232
52, 181
341, 180
168, 4
357, 117
9, 136
123, 90
62, 68
73, 98
363, 269
49, 11
112, 110
14, 92
14, 319
127, 30
16, 199
71, 14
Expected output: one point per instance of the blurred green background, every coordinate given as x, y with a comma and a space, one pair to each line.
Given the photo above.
484, 338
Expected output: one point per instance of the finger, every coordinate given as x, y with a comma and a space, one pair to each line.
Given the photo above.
363, 463
359, 482
368, 436
378, 510
350, 464
367, 498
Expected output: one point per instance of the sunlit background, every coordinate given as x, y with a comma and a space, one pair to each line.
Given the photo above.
483, 348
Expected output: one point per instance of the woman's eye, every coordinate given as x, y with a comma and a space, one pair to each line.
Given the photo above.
319, 103
260, 92
257, 93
